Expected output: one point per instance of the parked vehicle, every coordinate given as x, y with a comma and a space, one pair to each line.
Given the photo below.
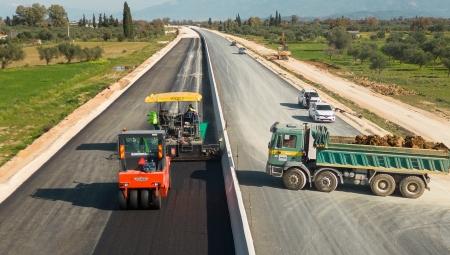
242, 50
302, 98
336, 160
321, 112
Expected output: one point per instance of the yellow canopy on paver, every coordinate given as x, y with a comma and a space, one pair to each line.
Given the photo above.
173, 97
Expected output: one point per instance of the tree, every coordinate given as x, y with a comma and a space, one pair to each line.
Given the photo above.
294, 19
127, 21
93, 21
69, 50
9, 53
420, 24
48, 53
446, 63
58, 16
107, 34
88, 54
420, 58
166, 20
100, 20
209, 22
238, 20
339, 38
378, 63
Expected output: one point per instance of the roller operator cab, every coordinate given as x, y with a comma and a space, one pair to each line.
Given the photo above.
302, 154
144, 176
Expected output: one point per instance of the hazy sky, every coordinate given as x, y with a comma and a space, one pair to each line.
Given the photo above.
106, 5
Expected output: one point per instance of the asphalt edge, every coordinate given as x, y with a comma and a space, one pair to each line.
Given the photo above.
243, 241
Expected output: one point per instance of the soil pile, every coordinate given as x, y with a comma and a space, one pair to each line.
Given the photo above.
383, 88
416, 142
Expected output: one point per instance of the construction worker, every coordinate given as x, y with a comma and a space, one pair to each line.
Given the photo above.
190, 109
308, 98
153, 119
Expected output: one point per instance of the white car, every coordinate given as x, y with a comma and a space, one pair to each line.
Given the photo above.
303, 94
242, 50
321, 111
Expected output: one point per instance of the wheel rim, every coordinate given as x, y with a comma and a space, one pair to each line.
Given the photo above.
383, 185
325, 182
412, 187
293, 179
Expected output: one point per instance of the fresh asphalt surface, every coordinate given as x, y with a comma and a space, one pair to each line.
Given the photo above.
70, 205
350, 220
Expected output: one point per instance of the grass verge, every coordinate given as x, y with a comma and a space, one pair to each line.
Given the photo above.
35, 98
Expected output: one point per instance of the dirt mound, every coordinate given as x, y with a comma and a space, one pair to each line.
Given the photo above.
383, 88
387, 140
416, 142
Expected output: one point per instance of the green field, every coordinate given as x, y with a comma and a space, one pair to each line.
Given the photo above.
35, 98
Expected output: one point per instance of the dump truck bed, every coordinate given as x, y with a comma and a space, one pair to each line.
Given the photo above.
341, 153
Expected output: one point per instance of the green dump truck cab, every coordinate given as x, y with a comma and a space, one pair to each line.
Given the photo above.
302, 154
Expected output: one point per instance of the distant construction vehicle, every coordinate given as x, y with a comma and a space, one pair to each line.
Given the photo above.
283, 50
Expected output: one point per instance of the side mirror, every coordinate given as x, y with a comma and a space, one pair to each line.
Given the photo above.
268, 146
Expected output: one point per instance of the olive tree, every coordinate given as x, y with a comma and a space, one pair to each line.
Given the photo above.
9, 53
69, 50
48, 53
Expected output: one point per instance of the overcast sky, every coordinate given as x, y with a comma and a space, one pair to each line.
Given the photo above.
106, 5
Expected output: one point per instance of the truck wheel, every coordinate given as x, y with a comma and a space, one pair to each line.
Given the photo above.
156, 201
325, 181
412, 186
122, 201
134, 202
382, 185
145, 199
294, 179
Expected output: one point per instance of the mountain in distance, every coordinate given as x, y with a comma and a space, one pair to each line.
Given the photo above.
202, 10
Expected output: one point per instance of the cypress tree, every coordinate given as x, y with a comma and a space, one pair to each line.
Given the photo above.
127, 21
93, 21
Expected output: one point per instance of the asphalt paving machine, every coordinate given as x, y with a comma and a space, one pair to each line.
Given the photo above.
184, 130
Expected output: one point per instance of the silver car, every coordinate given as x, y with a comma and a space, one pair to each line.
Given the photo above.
321, 112
302, 98
242, 50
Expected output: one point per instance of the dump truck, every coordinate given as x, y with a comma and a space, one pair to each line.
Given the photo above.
184, 130
144, 176
301, 154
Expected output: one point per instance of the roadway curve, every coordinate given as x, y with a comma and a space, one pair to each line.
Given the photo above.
350, 220
70, 204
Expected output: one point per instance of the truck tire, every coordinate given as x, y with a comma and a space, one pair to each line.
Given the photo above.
325, 181
382, 185
156, 205
123, 203
145, 199
134, 202
294, 179
412, 186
